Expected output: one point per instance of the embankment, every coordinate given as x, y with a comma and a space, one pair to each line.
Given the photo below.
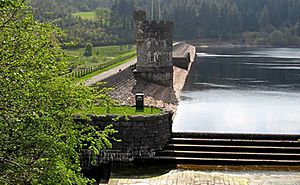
126, 85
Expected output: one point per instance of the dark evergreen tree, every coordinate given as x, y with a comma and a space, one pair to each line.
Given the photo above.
205, 19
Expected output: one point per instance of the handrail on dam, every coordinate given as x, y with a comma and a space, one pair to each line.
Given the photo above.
177, 45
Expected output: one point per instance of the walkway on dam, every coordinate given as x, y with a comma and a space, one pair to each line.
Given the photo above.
106, 74
190, 177
180, 49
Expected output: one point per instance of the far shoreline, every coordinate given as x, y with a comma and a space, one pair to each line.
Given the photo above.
233, 44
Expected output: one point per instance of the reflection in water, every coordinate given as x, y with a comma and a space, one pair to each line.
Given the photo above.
242, 94
239, 111
276, 52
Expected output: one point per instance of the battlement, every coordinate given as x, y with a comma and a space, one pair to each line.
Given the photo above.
139, 15
151, 25
162, 26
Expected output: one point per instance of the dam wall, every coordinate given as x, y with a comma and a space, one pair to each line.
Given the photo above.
142, 136
126, 84
182, 65
183, 55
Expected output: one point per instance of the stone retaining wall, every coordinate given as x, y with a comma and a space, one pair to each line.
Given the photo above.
142, 136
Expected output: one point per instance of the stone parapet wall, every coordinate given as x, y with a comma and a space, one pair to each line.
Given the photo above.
183, 55
141, 136
179, 49
182, 62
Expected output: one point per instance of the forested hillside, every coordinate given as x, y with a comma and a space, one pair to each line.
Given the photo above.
101, 31
274, 22
258, 21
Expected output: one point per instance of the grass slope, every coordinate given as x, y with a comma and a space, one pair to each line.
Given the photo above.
122, 110
100, 55
106, 56
90, 75
85, 15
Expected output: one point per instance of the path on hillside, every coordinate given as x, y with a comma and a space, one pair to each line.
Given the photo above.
106, 74
179, 50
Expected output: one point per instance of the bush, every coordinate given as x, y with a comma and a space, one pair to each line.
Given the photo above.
88, 50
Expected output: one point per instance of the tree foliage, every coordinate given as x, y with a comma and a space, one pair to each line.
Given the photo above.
78, 32
229, 19
39, 141
221, 20
88, 50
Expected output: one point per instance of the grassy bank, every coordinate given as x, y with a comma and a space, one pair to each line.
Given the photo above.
85, 15
102, 59
121, 110
101, 70
99, 55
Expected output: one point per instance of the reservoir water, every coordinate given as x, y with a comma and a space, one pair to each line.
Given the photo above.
242, 91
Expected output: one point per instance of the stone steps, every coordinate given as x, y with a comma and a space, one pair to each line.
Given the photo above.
222, 161
233, 148
243, 142
230, 155
230, 149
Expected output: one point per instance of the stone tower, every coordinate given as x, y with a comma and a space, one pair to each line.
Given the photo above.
154, 43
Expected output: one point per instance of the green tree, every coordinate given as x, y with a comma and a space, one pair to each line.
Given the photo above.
193, 19
103, 13
277, 38
88, 50
39, 140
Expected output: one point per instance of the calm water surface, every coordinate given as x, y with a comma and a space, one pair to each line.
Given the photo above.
242, 91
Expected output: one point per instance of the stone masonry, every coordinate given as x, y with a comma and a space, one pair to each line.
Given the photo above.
215, 177
141, 136
154, 49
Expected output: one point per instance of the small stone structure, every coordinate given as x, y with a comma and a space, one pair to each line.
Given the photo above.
154, 43
141, 136
182, 62
183, 55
